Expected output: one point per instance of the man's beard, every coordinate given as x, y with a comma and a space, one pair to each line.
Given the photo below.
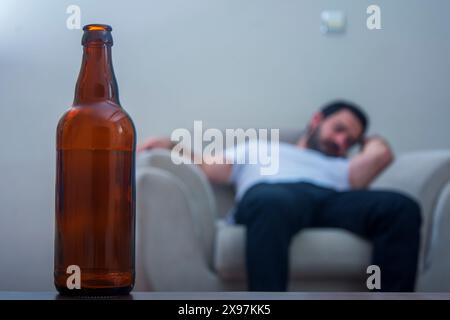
326, 147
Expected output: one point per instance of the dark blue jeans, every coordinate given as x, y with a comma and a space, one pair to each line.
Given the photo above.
274, 213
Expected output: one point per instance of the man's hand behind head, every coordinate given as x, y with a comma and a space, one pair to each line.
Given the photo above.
378, 147
375, 156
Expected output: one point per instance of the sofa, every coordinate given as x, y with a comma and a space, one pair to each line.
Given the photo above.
184, 242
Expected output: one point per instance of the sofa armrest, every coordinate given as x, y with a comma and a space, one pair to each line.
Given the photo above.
169, 254
436, 275
422, 175
198, 193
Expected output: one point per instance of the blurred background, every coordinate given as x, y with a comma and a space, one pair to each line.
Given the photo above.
230, 63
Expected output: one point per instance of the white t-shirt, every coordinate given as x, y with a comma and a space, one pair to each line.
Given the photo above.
295, 164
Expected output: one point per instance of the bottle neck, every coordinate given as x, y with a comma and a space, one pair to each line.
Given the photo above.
96, 81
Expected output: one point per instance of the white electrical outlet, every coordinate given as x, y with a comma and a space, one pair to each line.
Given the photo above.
333, 22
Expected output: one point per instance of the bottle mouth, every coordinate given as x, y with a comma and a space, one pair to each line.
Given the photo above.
97, 35
97, 27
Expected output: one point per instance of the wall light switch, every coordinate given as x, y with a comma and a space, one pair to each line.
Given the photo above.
333, 22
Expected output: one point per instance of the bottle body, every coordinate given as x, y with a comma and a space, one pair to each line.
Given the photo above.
95, 198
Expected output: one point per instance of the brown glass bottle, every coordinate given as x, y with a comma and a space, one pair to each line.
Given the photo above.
95, 179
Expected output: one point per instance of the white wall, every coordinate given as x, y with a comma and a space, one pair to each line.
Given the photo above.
229, 63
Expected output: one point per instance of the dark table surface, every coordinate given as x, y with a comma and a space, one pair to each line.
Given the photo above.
15, 295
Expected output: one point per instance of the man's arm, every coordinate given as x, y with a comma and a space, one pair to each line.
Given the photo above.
375, 156
214, 168
217, 172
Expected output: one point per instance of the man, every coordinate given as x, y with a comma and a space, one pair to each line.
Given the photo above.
317, 186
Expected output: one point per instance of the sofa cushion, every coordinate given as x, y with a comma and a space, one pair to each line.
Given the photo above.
314, 253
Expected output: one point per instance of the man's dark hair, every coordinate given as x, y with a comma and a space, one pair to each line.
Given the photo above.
336, 106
